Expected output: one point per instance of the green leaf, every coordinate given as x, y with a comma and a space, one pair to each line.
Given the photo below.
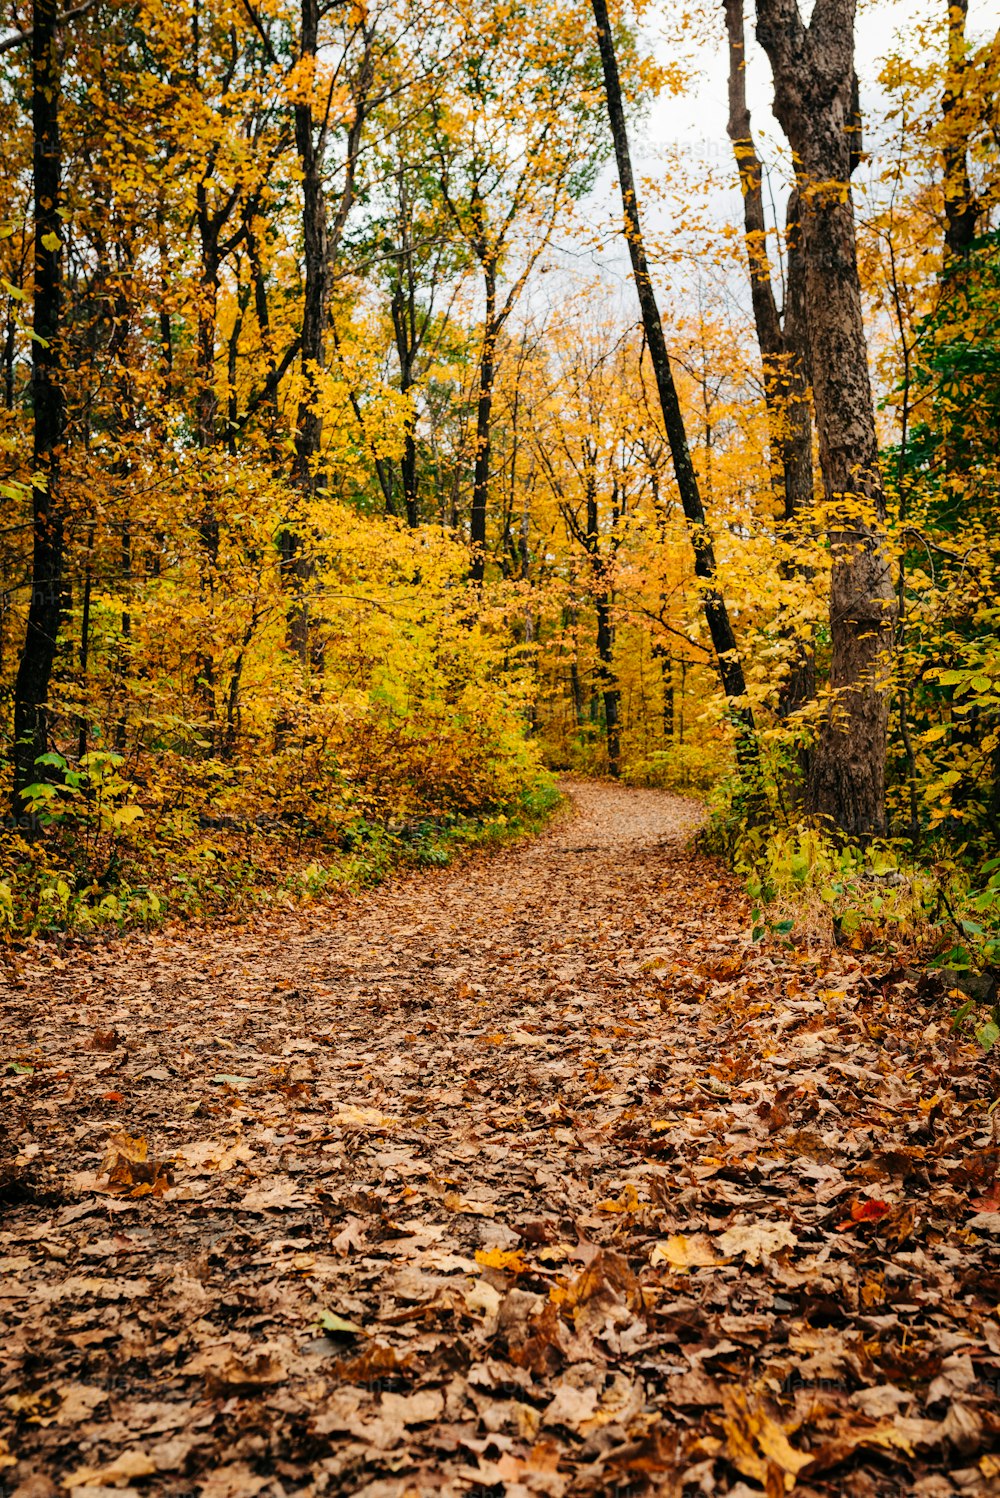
988, 1034
20, 1067
338, 1326
229, 1079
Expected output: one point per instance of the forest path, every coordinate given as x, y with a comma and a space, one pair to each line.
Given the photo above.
528, 1176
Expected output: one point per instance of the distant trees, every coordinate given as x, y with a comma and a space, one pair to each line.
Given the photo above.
265, 267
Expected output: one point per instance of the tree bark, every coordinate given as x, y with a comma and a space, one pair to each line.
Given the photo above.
961, 210
321, 238
308, 424
484, 407
815, 101
308, 421
31, 688
782, 338
610, 690
404, 326
720, 627
603, 601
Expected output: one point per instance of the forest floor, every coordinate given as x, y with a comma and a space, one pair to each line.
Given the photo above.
528, 1176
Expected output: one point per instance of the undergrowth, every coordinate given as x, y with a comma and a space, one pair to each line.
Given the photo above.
88, 872
938, 912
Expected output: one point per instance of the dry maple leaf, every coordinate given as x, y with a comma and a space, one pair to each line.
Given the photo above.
279, 1195
607, 1272
683, 1253
869, 1210
757, 1240
757, 1445
511, 1260
130, 1170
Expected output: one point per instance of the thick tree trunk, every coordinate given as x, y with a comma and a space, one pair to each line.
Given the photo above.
815, 100
716, 613
31, 688
796, 450
782, 341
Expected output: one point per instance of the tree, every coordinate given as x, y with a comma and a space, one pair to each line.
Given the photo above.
516, 143
31, 688
815, 101
720, 628
782, 339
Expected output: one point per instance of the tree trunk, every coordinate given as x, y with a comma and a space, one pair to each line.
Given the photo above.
717, 618
815, 101
34, 672
782, 341
308, 422
610, 690
961, 210
484, 407
403, 325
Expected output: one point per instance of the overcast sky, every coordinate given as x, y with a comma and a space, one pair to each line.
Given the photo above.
691, 129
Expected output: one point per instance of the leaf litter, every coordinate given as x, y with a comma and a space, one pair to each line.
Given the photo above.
530, 1176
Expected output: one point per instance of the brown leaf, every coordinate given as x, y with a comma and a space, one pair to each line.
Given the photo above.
226, 1371
129, 1464
757, 1445
130, 1170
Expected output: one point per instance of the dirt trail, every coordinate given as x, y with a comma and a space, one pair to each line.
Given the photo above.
524, 1177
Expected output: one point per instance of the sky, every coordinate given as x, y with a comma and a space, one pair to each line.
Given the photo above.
691, 129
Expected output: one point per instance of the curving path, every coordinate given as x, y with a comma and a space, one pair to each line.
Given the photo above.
528, 1176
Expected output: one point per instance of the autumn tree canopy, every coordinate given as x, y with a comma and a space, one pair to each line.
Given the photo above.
388, 412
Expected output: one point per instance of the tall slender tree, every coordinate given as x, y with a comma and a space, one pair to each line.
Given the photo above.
31, 688
781, 337
727, 655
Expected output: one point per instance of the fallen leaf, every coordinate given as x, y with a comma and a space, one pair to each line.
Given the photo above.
226, 1371
757, 1241
130, 1464
130, 1170
280, 1194
413, 1409
682, 1252
864, 1211
756, 1444
336, 1325
360, 1118
234, 1480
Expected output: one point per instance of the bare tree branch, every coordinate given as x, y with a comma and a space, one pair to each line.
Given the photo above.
21, 38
